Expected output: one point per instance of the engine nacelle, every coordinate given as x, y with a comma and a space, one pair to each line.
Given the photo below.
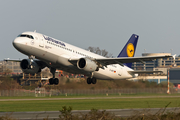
29, 66
87, 65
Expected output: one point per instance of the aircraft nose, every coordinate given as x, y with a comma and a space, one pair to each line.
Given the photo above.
16, 42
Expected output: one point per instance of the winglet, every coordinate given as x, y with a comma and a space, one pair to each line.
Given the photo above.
130, 48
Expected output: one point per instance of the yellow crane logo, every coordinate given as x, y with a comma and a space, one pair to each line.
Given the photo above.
130, 50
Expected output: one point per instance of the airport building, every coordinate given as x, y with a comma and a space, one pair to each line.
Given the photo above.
158, 63
10, 67
163, 65
174, 76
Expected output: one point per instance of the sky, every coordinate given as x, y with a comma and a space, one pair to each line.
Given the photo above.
106, 24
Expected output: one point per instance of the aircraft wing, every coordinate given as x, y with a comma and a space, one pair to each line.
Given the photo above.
12, 60
121, 60
40, 63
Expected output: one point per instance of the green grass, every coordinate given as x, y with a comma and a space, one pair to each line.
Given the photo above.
81, 95
87, 104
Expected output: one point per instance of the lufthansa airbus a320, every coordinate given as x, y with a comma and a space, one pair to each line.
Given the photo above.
44, 51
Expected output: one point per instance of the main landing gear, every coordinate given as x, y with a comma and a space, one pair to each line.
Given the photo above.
91, 80
53, 80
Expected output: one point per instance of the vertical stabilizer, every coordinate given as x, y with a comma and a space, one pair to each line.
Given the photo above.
130, 48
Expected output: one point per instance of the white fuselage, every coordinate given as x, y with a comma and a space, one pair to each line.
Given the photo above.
56, 54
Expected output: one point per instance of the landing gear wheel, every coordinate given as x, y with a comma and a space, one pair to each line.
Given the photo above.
88, 80
93, 80
56, 81
53, 81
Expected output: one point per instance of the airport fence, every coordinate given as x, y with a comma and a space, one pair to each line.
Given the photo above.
42, 92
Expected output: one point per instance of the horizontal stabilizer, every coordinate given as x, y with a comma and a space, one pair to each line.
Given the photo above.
141, 71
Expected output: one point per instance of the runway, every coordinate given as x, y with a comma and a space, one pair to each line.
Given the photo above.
81, 98
55, 114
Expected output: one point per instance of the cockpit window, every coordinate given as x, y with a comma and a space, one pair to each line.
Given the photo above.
24, 35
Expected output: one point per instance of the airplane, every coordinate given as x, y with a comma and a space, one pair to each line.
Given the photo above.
44, 51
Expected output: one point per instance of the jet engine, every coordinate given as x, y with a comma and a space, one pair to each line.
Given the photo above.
87, 65
30, 66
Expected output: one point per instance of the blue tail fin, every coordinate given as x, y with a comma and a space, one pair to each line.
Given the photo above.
129, 49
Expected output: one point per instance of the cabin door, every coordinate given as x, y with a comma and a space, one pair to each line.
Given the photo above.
41, 41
